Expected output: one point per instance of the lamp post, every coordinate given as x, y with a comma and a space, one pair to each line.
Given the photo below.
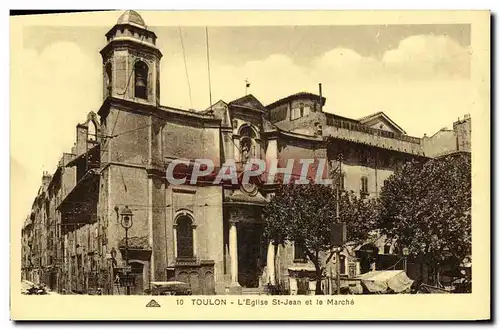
341, 229
112, 276
126, 222
406, 252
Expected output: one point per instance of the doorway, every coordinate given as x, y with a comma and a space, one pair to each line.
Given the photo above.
137, 271
368, 256
251, 254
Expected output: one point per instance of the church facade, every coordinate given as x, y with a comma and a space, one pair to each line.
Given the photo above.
207, 235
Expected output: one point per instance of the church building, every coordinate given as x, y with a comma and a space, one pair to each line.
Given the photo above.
119, 219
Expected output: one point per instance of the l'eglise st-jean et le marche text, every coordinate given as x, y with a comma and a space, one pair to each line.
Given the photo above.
263, 302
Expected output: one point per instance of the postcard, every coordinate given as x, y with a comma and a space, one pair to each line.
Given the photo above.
258, 165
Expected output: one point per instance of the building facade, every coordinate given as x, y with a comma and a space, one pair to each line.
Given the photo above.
207, 235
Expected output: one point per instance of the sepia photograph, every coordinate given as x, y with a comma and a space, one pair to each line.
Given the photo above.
234, 163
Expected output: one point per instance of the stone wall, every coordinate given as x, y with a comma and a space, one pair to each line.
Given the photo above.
204, 205
442, 142
189, 142
130, 143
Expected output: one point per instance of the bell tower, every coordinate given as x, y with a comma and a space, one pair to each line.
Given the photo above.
131, 61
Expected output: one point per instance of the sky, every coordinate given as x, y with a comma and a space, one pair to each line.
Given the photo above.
419, 75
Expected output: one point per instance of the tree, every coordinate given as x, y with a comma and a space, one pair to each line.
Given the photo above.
426, 206
303, 213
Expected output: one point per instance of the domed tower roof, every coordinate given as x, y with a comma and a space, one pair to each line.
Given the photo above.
131, 17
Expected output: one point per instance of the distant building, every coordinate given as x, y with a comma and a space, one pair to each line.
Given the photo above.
27, 250
447, 141
207, 235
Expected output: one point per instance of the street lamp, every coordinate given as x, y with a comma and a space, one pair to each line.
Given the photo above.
126, 222
406, 252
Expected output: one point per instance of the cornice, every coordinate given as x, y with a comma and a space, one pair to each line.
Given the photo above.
165, 113
131, 43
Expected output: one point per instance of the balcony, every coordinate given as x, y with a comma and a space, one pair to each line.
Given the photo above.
355, 132
79, 207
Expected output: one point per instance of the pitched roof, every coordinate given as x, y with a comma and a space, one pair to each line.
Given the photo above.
268, 126
381, 114
337, 117
300, 95
248, 101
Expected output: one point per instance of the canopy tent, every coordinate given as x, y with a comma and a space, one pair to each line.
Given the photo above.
381, 281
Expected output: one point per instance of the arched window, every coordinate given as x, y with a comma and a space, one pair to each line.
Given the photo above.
247, 131
109, 79
248, 145
185, 237
92, 131
141, 80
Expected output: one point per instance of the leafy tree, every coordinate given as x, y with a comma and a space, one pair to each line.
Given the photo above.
303, 213
427, 208
360, 215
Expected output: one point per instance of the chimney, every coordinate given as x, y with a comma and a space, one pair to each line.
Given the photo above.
320, 98
81, 139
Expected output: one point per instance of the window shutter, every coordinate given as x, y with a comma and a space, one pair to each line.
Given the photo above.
298, 252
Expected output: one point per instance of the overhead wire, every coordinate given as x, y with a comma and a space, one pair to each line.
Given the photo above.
185, 67
112, 135
208, 66
123, 94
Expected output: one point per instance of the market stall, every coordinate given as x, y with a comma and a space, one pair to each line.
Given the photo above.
385, 281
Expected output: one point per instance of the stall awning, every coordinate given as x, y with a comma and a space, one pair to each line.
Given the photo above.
304, 268
381, 281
